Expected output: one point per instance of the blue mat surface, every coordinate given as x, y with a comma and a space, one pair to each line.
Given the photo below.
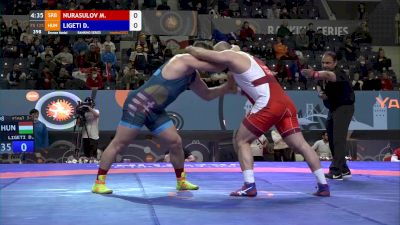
151, 198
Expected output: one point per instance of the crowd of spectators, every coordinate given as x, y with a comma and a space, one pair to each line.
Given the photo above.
98, 62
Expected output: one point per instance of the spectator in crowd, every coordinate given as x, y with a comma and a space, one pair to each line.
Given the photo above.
280, 49
246, 33
234, 8
94, 80
15, 30
108, 56
15, 76
139, 57
10, 50
164, 5
268, 52
282, 152
361, 34
48, 63
129, 79
362, 11
318, 42
63, 78
93, 57
387, 84
357, 83
109, 43
79, 46
382, 62
284, 14
40, 132
294, 14
66, 55
302, 40
363, 66
81, 60
46, 80
310, 31
258, 147
372, 83
283, 30
322, 147
350, 50
48, 50
313, 13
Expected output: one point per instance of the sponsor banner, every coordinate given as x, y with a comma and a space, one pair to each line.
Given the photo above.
265, 26
374, 110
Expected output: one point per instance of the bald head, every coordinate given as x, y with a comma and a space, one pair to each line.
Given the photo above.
222, 45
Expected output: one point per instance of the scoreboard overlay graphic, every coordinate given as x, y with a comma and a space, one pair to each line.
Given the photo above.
85, 21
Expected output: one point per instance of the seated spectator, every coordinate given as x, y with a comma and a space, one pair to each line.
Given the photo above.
79, 46
361, 34
283, 31
110, 73
246, 33
164, 5
282, 152
63, 77
310, 32
109, 43
108, 56
284, 14
10, 50
318, 43
15, 76
15, 30
129, 80
382, 62
258, 147
94, 80
234, 9
294, 14
350, 50
66, 55
280, 49
268, 52
357, 83
140, 59
322, 147
387, 84
46, 80
362, 67
372, 83
313, 13
48, 50
93, 56
81, 60
48, 63
302, 41
362, 12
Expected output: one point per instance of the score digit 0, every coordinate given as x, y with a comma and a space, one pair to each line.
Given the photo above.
135, 20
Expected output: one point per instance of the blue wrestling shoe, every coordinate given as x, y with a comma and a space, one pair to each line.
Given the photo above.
323, 190
247, 190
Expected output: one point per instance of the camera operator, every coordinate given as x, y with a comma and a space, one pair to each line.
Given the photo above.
88, 119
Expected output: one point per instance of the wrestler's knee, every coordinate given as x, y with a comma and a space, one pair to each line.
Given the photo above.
175, 143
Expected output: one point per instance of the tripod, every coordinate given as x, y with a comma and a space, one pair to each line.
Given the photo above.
79, 136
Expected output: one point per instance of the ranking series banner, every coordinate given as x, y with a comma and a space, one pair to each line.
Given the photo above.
85, 21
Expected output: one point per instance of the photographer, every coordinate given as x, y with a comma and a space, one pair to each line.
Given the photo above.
88, 119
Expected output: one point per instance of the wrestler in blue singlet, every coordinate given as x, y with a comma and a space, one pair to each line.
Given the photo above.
146, 105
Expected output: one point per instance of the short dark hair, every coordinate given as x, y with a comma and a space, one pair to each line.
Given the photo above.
324, 132
331, 54
33, 111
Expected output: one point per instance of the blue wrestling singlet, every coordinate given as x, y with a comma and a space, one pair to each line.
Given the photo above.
146, 105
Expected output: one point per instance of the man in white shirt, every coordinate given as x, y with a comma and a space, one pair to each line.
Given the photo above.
322, 147
90, 132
